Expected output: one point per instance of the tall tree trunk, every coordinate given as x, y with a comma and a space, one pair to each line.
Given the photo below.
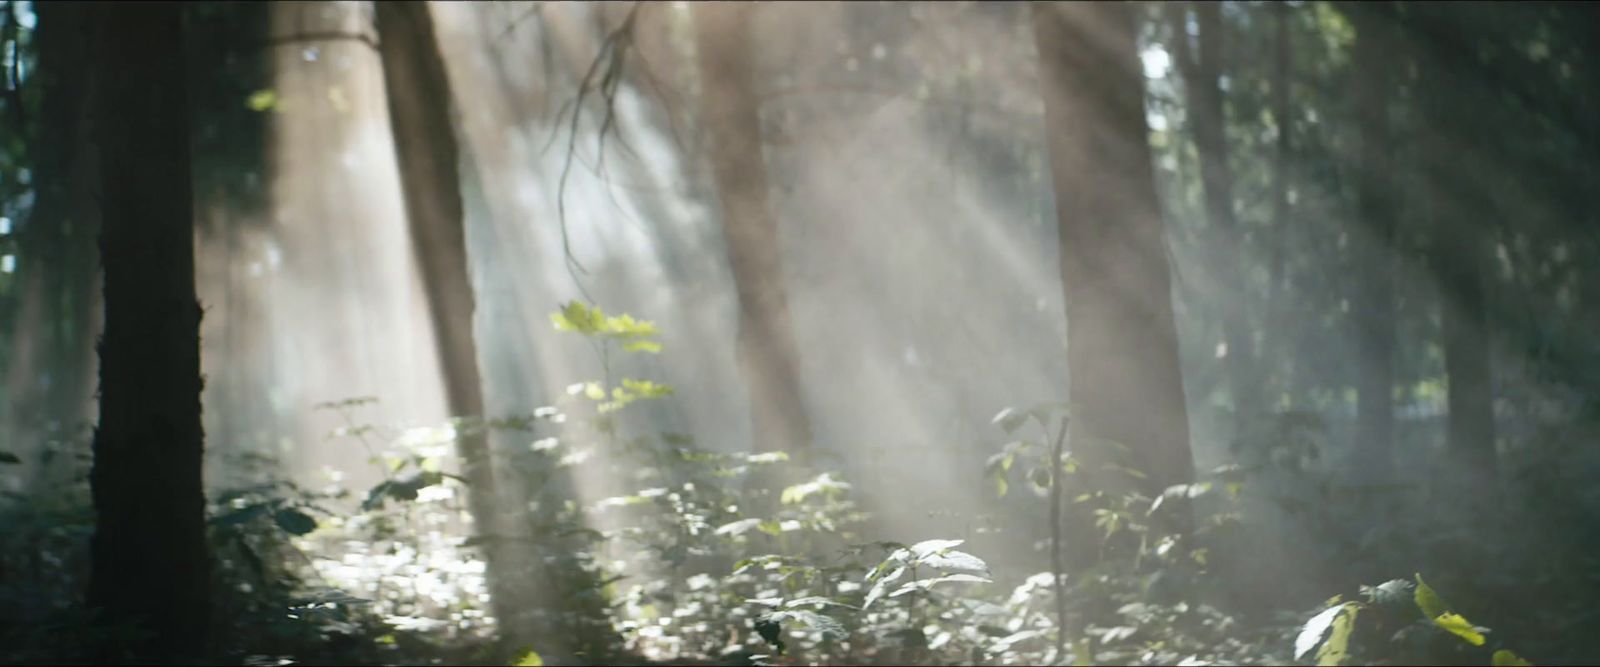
1372, 306
768, 355
52, 353
1202, 74
1278, 283
1122, 343
1461, 246
150, 565
425, 148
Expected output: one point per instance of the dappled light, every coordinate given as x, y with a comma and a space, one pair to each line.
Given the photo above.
798, 333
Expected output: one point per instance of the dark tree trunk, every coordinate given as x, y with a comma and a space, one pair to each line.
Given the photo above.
768, 355
1372, 305
1122, 344
1202, 74
150, 567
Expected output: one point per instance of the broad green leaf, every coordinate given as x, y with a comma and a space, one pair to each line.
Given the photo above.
1010, 419
739, 527
1428, 601
925, 584
529, 659
924, 548
1331, 629
1336, 648
1391, 594
1436, 609
950, 559
1456, 625
821, 622
1504, 658
294, 522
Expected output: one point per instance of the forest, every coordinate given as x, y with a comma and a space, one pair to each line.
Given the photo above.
1200, 332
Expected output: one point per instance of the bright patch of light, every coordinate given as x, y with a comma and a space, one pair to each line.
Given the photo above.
8, 263
5, 225
1156, 62
1222, 349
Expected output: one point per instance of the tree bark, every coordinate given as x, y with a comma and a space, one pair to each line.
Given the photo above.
1122, 343
150, 566
1372, 304
768, 355
419, 99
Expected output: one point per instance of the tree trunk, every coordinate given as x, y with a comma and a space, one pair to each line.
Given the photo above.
1278, 282
1203, 93
768, 355
150, 566
425, 148
1372, 306
1122, 343
52, 353
1461, 243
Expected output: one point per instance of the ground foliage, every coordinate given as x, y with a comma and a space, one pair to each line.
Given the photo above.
698, 558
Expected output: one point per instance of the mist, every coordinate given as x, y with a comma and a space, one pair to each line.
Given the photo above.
798, 333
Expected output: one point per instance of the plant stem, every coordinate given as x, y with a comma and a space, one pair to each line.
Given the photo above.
1055, 539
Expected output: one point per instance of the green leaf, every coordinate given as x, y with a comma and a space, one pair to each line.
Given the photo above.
529, 659
771, 631
925, 584
1428, 601
8, 457
265, 99
1504, 658
1436, 609
826, 624
624, 326
824, 484
1010, 419
926, 548
1456, 625
646, 388
241, 515
577, 317
955, 560
294, 522
642, 346
1331, 630
739, 527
